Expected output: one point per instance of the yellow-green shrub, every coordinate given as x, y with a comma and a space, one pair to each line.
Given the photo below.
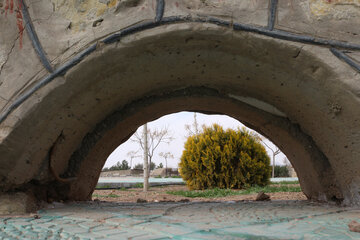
224, 159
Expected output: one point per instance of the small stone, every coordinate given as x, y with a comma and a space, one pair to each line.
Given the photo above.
354, 226
262, 197
140, 200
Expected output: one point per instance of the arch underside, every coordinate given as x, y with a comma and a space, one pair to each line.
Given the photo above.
295, 94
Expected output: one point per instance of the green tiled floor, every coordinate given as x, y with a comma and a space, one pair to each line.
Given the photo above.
212, 220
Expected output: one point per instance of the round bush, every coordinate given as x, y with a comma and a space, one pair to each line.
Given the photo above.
224, 159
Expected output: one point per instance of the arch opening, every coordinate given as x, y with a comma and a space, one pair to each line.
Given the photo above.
289, 137
123, 168
177, 127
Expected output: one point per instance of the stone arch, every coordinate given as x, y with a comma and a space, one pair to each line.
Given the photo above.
297, 94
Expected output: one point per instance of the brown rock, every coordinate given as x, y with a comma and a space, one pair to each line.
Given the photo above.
354, 226
262, 197
140, 200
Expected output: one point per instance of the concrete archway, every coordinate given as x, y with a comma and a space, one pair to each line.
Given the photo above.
55, 137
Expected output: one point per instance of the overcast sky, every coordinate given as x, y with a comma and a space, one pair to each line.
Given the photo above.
176, 124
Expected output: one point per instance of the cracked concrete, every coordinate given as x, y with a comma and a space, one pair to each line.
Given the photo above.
7, 56
211, 220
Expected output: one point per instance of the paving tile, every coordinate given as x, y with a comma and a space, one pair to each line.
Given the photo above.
227, 220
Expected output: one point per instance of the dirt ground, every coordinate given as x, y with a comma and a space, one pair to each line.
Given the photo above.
158, 194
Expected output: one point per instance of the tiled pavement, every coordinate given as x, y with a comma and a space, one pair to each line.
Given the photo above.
215, 220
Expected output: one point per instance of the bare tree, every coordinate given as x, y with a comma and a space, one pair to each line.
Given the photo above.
132, 155
155, 138
275, 152
193, 129
146, 166
166, 156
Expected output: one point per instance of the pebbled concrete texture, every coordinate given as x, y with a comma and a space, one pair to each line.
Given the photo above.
214, 220
331, 19
118, 64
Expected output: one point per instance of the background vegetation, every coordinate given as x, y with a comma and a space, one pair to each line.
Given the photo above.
215, 158
281, 171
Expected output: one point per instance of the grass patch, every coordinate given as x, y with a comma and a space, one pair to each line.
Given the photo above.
111, 195
103, 187
217, 192
138, 185
285, 183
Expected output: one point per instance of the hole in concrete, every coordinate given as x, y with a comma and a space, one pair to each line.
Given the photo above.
97, 22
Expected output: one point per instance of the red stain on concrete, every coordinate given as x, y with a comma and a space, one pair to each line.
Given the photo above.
10, 6
6, 7
19, 22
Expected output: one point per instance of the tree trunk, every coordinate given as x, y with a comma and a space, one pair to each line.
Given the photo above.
273, 167
149, 168
146, 166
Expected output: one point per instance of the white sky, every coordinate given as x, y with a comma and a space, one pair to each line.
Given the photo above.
176, 125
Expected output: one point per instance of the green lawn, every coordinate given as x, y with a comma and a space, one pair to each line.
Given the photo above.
111, 195
217, 192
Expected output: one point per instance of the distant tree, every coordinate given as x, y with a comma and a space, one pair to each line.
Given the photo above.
155, 138
282, 171
139, 166
275, 151
132, 155
152, 166
194, 128
166, 156
105, 169
124, 165
160, 166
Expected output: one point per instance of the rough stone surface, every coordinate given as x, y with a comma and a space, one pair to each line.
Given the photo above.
331, 19
78, 23
16, 51
116, 68
248, 12
16, 203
